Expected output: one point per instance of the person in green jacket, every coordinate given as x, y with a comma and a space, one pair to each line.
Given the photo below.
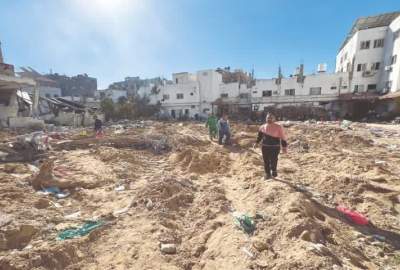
212, 126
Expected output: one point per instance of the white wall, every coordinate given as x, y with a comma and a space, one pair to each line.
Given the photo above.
329, 84
10, 110
393, 49
183, 77
232, 89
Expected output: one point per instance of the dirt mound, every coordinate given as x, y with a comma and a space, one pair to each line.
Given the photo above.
167, 193
193, 161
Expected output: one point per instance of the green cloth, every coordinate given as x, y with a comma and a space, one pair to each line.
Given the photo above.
78, 232
245, 222
212, 125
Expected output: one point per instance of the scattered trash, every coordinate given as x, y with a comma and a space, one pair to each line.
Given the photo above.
28, 247
380, 162
248, 252
81, 231
354, 216
379, 237
56, 205
392, 147
261, 216
319, 249
345, 124
168, 248
244, 222
33, 168
149, 204
4, 219
120, 188
55, 191
121, 211
73, 215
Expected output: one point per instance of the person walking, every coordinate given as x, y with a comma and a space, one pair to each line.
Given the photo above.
98, 127
272, 136
224, 130
212, 126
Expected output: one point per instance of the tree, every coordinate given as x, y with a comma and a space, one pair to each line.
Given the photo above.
122, 100
107, 106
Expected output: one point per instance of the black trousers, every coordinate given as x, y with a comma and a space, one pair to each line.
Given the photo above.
270, 156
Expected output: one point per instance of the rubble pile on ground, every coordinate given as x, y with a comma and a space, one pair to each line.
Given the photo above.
151, 195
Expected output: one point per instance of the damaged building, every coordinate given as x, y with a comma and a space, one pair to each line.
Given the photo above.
16, 106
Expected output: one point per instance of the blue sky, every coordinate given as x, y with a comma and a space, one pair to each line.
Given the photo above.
112, 39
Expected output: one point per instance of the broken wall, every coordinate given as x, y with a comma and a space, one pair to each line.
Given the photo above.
8, 106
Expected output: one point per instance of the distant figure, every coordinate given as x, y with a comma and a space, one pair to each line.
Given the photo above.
273, 137
224, 130
212, 126
98, 126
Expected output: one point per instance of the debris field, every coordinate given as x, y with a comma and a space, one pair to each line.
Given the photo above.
163, 196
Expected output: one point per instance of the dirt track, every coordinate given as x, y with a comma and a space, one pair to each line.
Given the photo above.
180, 188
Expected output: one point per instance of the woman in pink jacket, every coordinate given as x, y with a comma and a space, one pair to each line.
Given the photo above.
273, 138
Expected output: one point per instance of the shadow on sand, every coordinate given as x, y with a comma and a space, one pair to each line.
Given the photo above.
391, 238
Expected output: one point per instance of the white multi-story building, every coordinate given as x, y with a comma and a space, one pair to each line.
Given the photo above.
187, 95
369, 54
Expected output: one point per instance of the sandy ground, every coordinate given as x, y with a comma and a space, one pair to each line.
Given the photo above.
181, 188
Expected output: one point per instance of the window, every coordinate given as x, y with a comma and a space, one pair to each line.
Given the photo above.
244, 95
290, 92
255, 92
165, 97
358, 88
267, 93
371, 87
396, 35
361, 67
191, 93
48, 95
179, 96
224, 95
345, 56
378, 43
376, 66
344, 87
365, 45
176, 80
393, 60
333, 87
315, 90
186, 111
341, 60
193, 106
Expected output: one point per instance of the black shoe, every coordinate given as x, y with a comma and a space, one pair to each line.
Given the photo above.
267, 177
274, 174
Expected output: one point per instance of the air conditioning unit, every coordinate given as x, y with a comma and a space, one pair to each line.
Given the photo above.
388, 68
